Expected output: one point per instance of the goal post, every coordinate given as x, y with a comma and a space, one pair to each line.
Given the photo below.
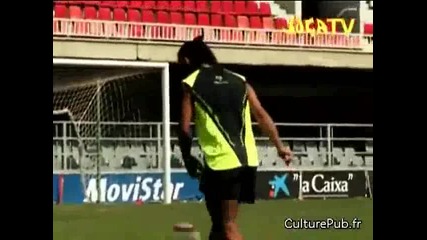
95, 97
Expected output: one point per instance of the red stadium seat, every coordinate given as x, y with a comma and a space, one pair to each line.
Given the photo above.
148, 5
268, 23
216, 20
61, 2
90, 12
135, 4
77, 13
110, 4
189, 6
119, 14
203, 19
163, 17
280, 23
265, 9
242, 22
252, 8
255, 22
148, 16
163, 31
216, 7
91, 3
229, 21
227, 7
369, 29
240, 7
202, 6
176, 6
134, 16
105, 14
61, 11
190, 19
122, 4
176, 18
163, 5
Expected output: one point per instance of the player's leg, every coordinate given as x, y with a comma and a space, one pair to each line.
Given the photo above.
230, 209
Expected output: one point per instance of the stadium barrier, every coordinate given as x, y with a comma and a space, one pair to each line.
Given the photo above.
116, 30
148, 187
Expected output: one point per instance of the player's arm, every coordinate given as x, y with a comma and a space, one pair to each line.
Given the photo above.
185, 137
263, 118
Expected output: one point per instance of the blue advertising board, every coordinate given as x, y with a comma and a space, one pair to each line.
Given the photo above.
116, 188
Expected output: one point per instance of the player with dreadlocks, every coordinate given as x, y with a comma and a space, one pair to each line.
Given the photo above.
221, 102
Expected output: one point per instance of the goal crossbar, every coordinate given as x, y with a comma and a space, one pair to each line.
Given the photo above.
165, 104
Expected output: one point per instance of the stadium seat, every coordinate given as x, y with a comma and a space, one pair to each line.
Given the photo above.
122, 4
338, 155
242, 22
89, 3
230, 35
176, 6
252, 8
216, 7
176, 17
134, 16
369, 28
104, 13
264, 9
240, 7
163, 17
110, 4
190, 19
202, 6
216, 20
148, 16
203, 19
163, 5
135, 4
280, 23
268, 23
77, 13
148, 5
189, 6
61, 11
227, 7
163, 31
255, 22
89, 12
119, 14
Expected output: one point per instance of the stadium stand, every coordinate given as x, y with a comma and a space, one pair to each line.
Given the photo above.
236, 22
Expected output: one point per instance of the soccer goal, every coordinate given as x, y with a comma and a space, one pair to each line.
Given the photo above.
98, 100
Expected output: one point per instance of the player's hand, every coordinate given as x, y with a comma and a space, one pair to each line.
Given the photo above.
285, 153
193, 166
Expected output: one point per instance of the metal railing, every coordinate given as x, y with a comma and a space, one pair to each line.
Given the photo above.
143, 142
117, 30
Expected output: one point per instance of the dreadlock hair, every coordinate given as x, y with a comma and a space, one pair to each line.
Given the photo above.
197, 52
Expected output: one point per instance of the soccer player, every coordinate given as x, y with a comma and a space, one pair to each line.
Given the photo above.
221, 103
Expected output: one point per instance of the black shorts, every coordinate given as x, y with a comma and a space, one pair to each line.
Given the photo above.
235, 184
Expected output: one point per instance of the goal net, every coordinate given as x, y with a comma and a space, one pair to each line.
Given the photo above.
101, 120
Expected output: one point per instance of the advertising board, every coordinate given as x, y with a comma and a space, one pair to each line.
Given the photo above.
116, 188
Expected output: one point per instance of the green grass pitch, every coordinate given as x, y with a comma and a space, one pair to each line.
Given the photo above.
262, 221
